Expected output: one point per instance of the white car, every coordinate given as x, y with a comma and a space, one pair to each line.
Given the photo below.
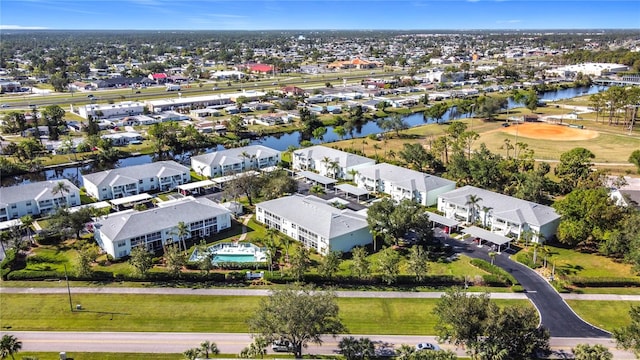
427, 346
282, 346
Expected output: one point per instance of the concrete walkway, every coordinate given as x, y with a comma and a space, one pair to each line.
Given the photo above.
265, 292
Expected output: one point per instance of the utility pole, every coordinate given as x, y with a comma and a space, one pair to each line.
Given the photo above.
68, 288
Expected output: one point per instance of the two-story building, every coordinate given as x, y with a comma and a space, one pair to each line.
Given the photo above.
118, 233
37, 198
315, 223
330, 162
133, 180
502, 214
402, 183
236, 160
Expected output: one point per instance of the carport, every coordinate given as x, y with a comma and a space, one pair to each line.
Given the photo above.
349, 189
130, 200
439, 219
317, 178
487, 235
220, 181
195, 186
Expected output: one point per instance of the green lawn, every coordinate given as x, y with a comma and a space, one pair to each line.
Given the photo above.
124, 312
574, 263
608, 315
104, 356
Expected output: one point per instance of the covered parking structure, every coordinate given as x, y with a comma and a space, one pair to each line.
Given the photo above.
439, 219
489, 236
317, 178
220, 181
194, 187
349, 189
130, 200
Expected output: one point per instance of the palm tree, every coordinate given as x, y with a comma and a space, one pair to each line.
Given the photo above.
191, 354
492, 255
334, 166
286, 242
353, 173
485, 212
473, 205
182, 230
9, 345
326, 161
208, 347
349, 347
60, 188
405, 352
27, 221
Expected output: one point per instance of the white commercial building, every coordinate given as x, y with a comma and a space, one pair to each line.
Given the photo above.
402, 183
315, 223
236, 160
118, 233
133, 180
125, 108
37, 198
592, 69
503, 214
330, 162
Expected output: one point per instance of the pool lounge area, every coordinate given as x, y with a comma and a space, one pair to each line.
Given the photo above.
228, 252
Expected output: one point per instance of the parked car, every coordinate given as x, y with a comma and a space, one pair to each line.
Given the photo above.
427, 346
282, 346
4, 105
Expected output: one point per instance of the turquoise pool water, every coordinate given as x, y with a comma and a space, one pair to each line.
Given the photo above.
234, 258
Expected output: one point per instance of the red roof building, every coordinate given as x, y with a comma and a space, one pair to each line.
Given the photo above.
262, 68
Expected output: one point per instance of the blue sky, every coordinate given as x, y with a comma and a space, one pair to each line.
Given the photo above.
318, 14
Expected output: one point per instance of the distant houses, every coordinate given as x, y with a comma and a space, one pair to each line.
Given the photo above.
37, 198
315, 223
133, 180
233, 161
118, 233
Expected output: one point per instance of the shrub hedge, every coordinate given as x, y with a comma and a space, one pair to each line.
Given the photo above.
603, 281
499, 275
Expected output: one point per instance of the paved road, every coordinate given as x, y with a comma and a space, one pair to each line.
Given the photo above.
143, 342
555, 314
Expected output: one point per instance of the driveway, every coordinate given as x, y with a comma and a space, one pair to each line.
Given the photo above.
555, 314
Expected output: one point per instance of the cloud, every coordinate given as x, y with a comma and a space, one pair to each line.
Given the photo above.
20, 27
508, 21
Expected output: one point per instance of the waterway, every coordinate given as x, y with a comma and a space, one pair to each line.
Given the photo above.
278, 141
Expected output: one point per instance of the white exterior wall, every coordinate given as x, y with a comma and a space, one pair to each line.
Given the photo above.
33, 207
136, 186
122, 248
432, 196
347, 242
112, 110
230, 168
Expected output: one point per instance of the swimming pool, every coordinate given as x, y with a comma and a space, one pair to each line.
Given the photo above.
233, 252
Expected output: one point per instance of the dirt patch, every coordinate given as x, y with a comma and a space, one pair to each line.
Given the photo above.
550, 132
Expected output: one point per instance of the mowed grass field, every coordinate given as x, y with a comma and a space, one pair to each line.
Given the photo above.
607, 315
125, 312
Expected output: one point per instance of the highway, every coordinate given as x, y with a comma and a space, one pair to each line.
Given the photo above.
166, 342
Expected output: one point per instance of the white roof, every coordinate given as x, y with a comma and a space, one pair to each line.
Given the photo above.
4, 225
37, 191
441, 219
344, 159
195, 185
405, 178
130, 174
131, 199
487, 235
224, 179
350, 189
505, 207
316, 215
129, 224
235, 155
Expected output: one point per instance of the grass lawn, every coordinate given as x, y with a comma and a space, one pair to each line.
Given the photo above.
104, 356
573, 263
203, 313
604, 314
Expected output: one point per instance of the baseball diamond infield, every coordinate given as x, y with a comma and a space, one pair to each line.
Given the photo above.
550, 132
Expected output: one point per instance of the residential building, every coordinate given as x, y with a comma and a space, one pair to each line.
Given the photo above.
124, 108
233, 161
133, 180
315, 223
402, 183
118, 233
37, 198
502, 214
330, 162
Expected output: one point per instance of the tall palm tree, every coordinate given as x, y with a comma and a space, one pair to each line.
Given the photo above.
485, 212
61, 188
182, 230
9, 345
27, 221
473, 204
326, 161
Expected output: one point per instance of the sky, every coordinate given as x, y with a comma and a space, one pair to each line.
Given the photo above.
318, 14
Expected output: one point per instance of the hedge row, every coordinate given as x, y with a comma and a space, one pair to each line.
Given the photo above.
500, 274
7, 264
603, 281
109, 276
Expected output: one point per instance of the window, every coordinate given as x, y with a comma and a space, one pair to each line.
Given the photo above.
13, 206
28, 203
140, 182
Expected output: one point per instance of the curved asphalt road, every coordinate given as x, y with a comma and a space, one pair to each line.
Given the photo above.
555, 314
